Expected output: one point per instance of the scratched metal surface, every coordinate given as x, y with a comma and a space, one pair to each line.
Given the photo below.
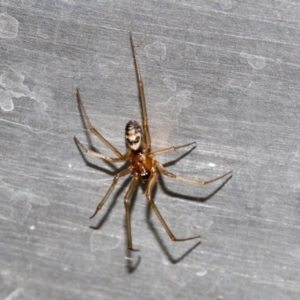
222, 73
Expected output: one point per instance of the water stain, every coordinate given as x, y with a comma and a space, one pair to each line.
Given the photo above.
170, 84
42, 34
6, 102
8, 26
18, 294
176, 103
29, 2
6, 211
255, 61
103, 242
21, 205
226, 4
240, 84
293, 172
156, 51
201, 271
12, 81
173, 107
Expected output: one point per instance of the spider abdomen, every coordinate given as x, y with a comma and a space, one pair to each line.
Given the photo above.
133, 135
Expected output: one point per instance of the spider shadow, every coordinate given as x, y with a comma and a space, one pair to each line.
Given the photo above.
112, 204
91, 147
191, 198
184, 196
97, 167
160, 240
131, 266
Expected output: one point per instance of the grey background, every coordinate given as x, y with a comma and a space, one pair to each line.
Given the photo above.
222, 73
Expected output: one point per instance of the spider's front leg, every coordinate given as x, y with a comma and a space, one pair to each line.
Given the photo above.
93, 130
121, 174
142, 96
125, 157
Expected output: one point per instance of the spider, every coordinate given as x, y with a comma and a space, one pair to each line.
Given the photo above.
143, 166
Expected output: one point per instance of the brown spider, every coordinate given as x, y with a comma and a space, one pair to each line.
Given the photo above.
143, 166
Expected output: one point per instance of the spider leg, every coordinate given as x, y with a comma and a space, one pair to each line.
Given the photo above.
93, 129
128, 195
142, 96
121, 174
174, 148
201, 182
126, 156
151, 183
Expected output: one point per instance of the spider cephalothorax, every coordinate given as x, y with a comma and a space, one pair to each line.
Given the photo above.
134, 135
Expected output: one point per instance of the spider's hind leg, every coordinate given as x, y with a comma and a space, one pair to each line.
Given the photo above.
149, 189
128, 195
200, 182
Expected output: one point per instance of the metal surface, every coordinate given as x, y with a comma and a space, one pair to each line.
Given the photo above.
222, 73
